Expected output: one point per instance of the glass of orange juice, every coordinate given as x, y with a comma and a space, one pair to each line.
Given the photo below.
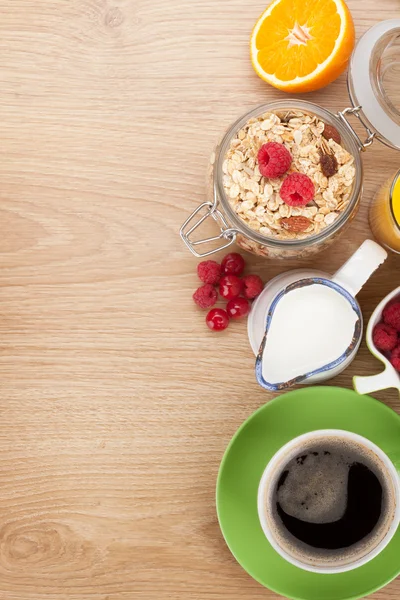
384, 214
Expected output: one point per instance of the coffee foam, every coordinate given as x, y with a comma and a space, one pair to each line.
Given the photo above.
316, 491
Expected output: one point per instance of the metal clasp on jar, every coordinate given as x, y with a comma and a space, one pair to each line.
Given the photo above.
362, 146
226, 233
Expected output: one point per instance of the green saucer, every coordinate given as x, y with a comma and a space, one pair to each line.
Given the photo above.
244, 461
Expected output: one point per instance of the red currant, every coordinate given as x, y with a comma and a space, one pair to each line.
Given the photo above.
230, 286
217, 319
233, 264
237, 308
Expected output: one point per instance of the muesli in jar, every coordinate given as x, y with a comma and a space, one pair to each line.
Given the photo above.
288, 206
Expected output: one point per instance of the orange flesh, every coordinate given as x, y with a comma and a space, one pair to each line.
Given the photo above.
314, 26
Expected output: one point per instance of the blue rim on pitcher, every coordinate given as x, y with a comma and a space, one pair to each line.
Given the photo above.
277, 387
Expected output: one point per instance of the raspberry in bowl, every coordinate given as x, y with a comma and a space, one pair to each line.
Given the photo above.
383, 341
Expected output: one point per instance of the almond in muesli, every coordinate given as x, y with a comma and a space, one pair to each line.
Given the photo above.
296, 224
331, 133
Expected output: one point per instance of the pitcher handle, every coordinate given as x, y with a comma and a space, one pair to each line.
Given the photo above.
359, 268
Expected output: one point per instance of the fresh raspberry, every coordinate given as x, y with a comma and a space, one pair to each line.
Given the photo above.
297, 190
205, 296
209, 271
233, 264
395, 358
391, 315
238, 307
384, 337
230, 286
217, 319
273, 160
253, 286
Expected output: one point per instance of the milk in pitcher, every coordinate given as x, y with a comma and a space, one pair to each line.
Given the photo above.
311, 327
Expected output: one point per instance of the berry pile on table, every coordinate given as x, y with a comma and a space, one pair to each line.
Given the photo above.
227, 280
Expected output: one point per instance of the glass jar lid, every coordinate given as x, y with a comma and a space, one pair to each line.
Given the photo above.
374, 81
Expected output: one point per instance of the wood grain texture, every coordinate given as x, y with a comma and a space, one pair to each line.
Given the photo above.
116, 403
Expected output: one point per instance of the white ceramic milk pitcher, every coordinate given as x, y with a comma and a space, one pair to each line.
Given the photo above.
286, 320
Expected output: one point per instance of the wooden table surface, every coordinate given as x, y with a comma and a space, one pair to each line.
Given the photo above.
116, 402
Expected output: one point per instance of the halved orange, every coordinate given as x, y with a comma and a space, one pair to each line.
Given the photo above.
302, 45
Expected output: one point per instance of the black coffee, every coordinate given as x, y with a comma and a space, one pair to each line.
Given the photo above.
363, 507
331, 500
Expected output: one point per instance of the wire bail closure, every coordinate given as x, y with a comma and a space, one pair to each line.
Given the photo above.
362, 146
226, 233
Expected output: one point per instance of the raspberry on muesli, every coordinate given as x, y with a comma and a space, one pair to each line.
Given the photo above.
256, 199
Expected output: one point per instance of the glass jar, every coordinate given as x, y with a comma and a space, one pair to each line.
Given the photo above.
384, 214
372, 89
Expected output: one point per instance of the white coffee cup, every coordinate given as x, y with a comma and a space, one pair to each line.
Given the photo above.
276, 466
